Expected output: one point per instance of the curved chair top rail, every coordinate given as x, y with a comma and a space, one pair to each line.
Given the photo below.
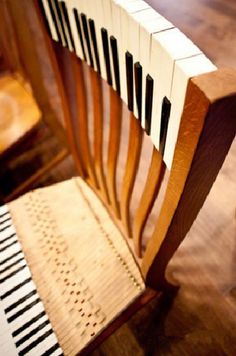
173, 94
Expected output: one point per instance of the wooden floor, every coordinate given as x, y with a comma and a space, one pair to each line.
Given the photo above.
201, 319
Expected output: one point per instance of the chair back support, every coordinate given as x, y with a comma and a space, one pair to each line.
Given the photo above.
95, 121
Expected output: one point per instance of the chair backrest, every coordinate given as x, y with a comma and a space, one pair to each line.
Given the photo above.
112, 53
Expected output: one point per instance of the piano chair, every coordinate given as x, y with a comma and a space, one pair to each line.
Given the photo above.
24, 105
87, 253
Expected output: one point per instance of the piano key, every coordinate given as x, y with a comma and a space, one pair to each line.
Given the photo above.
7, 346
7, 238
13, 265
21, 266
129, 76
29, 342
45, 18
52, 11
49, 341
146, 31
55, 350
10, 259
76, 43
33, 331
27, 326
7, 232
165, 115
7, 219
94, 44
163, 56
106, 55
20, 301
80, 33
23, 289
115, 61
183, 70
15, 280
148, 103
49, 20
3, 210
66, 19
138, 72
31, 348
87, 39
60, 21
14, 247
6, 243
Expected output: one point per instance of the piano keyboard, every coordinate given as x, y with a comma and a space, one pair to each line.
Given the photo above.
25, 327
142, 55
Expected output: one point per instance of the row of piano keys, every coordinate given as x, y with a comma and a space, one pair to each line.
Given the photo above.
25, 327
142, 55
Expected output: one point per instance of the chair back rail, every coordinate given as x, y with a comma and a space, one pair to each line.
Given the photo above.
207, 128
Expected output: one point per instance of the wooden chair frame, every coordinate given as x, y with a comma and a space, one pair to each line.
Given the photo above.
206, 132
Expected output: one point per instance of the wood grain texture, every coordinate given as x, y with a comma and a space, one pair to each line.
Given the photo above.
132, 162
209, 116
113, 148
97, 102
150, 192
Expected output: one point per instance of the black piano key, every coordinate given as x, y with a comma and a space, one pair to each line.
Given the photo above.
35, 343
87, 39
23, 310
32, 333
66, 18
138, 73
54, 19
20, 301
28, 324
148, 103
51, 350
11, 265
10, 257
7, 238
165, 115
77, 21
94, 41
115, 57
130, 79
2, 280
106, 55
43, 13
9, 245
14, 289
59, 10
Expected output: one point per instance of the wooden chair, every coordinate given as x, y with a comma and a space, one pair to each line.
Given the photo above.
84, 246
21, 117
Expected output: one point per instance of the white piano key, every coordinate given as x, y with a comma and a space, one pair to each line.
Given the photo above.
166, 47
22, 305
116, 32
33, 338
10, 262
12, 269
4, 216
50, 20
183, 70
15, 280
71, 4
29, 314
10, 251
7, 345
3, 209
31, 327
7, 232
64, 24
147, 29
46, 344
21, 292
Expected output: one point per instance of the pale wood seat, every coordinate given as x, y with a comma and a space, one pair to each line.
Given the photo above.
83, 244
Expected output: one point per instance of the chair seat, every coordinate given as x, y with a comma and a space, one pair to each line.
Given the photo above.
83, 269
19, 112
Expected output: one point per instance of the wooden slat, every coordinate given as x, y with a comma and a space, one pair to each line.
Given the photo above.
207, 130
150, 192
97, 100
132, 163
113, 148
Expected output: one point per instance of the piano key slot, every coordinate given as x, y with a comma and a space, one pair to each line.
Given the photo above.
94, 42
138, 71
130, 80
77, 21
114, 51
165, 115
148, 103
106, 55
87, 39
